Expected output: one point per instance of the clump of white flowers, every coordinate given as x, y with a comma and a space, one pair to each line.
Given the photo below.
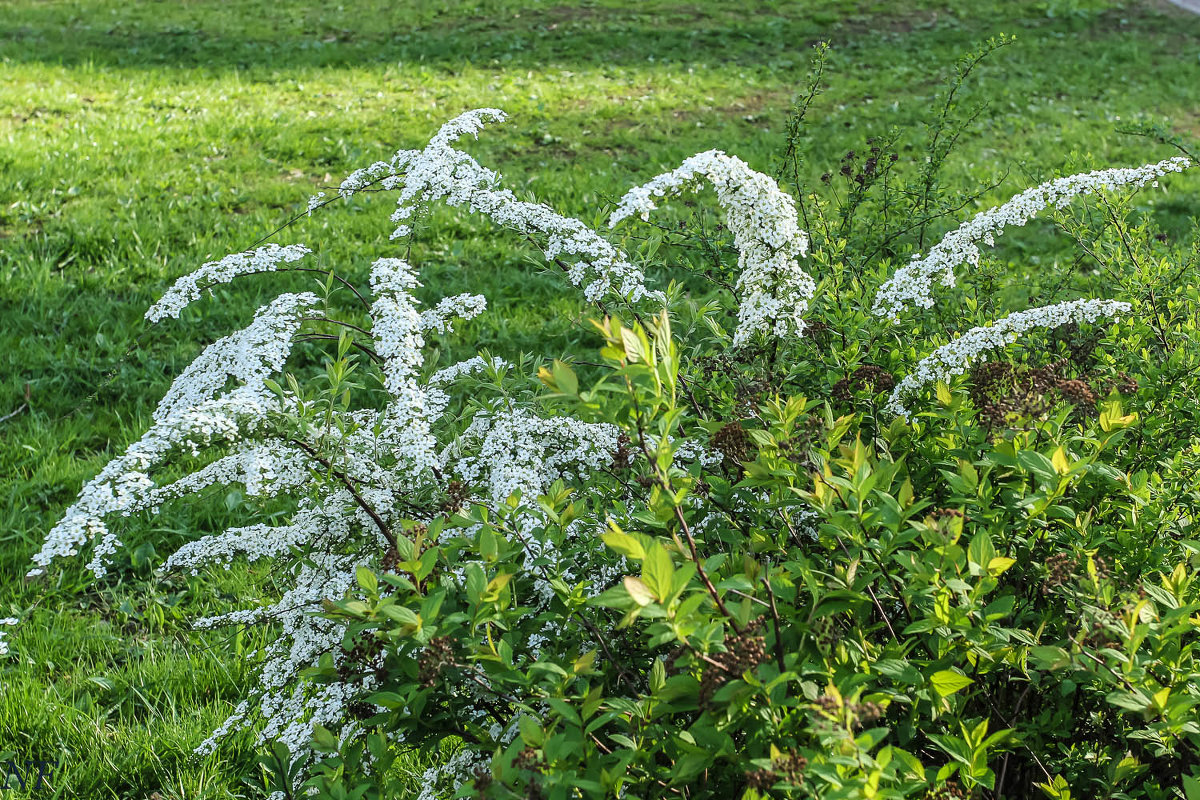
766, 231
953, 358
910, 285
194, 414
443, 173
515, 451
354, 477
267, 258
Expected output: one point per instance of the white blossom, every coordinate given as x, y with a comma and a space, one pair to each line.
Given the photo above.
460, 306
441, 173
4, 634
191, 416
911, 283
248, 357
688, 450
954, 358
471, 365
380, 171
515, 451
443, 780
762, 218
267, 258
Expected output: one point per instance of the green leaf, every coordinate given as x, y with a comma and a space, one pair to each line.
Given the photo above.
943, 393
531, 732
899, 671
1057, 789
623, 740
1132, 701
638, 590
565, 377
1060, 461
981, 551
658, 572
623, 543
946, 682
658, 675
633, 345
401, 614
1049, 657
1038, 464
549, 667
690, 766
1191, 787
367, 580
476, 582
911, 763
564, 710
999, 564
324, 741
496, 586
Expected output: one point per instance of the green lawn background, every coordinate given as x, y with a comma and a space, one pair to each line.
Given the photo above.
140, 139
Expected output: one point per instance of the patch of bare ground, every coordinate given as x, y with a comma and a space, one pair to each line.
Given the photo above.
683, 13
866, 23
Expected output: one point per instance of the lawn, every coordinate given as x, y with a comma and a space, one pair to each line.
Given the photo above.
138, 140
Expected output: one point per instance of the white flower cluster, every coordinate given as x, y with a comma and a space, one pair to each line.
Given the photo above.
190, 417
689, 450
510, 451
4, 634
189, 288
460, 306
384, 172
440, 172
444, 780
468, 367
248, 357
253, 542
407, 421
911, 283
290, 707
396, 323
954, 358
766, 232
352, 480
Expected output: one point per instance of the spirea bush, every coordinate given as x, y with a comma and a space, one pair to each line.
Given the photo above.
827, 507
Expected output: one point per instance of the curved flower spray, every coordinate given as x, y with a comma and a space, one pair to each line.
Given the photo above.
766, 232
954, 358
911, 284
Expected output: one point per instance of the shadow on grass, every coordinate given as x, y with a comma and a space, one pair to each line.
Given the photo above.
252, 35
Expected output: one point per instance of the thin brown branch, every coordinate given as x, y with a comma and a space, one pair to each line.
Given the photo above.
708, 584
349, 484
330, 337
775, 618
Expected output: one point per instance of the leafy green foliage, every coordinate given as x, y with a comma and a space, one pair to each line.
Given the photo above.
962, 613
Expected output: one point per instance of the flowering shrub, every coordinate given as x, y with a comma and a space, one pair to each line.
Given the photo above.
787, 533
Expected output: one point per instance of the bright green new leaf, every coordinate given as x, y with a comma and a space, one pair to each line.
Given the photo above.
946, 682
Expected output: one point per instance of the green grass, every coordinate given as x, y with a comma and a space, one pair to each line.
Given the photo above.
140, 139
